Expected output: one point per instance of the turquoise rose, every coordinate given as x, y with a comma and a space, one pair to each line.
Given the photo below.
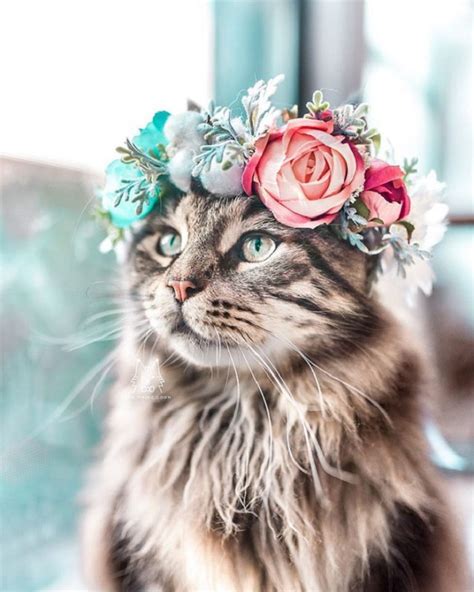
117, 171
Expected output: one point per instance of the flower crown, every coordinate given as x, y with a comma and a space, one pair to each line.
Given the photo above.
308, 171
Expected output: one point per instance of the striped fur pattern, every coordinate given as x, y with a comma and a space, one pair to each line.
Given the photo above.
285, 454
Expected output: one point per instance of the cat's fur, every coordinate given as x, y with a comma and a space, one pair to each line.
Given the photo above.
285, 452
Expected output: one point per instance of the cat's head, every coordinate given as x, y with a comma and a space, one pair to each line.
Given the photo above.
221, 281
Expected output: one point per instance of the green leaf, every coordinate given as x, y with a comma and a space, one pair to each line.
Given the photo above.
317, 105
409, 227
362, 209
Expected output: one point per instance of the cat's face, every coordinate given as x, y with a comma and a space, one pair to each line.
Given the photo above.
223, 282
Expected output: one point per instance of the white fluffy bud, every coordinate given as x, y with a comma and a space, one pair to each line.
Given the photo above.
223, 182
180, 167
181, 130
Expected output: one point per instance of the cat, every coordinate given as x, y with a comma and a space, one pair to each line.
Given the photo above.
279, 446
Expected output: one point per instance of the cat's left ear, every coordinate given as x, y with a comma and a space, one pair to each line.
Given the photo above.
193, 106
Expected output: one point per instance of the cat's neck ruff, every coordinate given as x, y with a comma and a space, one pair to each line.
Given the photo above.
224, 449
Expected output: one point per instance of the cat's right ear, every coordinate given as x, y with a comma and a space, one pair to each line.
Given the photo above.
193, 106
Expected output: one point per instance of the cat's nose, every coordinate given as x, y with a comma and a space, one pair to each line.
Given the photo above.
182, 289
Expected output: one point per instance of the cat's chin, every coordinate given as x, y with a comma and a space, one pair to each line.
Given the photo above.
209, 354
204, 354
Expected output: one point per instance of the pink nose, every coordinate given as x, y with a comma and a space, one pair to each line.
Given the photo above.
181, 288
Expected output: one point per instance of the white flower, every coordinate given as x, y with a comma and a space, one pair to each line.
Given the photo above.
185, 142
222, 182
418, 277
182, 131
120, 247
428, 216
106, 245
180, 167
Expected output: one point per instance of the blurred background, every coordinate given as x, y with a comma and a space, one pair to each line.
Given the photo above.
79, 77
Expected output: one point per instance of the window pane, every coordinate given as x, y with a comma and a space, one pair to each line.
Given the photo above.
418, 81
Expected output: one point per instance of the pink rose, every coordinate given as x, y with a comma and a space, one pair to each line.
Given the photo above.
303, 174
385, 193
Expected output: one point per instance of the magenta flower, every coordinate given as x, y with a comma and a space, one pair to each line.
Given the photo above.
385, 194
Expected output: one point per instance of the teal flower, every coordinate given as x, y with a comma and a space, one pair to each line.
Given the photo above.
152, 135
125, 213
129, 194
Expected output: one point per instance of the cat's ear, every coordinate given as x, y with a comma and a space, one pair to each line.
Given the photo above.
193, 106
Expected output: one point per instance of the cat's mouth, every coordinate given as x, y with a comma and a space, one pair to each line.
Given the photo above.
216, 336
183, 330
199, 349
222, 351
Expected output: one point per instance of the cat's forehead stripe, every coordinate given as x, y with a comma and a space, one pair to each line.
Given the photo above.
219, 220
230, 236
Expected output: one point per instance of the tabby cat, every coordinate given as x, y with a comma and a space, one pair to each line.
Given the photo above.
279, 447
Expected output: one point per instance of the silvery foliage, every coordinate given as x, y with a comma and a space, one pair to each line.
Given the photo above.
351, 224
225, 143
353, 227
231, 140
152, 166
351, 121
404, 252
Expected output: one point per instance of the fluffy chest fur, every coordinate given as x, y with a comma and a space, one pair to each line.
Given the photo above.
251, 483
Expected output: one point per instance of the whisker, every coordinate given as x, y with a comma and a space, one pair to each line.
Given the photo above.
335, 472
267, 410
90, 400
351, 387
108, 313
110, 334
286, 391
237, 403
61, 408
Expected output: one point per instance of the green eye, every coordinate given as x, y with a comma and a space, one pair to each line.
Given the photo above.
169, 244
257, 247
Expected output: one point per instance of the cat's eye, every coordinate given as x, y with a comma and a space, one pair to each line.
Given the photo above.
169, 244
257, 247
